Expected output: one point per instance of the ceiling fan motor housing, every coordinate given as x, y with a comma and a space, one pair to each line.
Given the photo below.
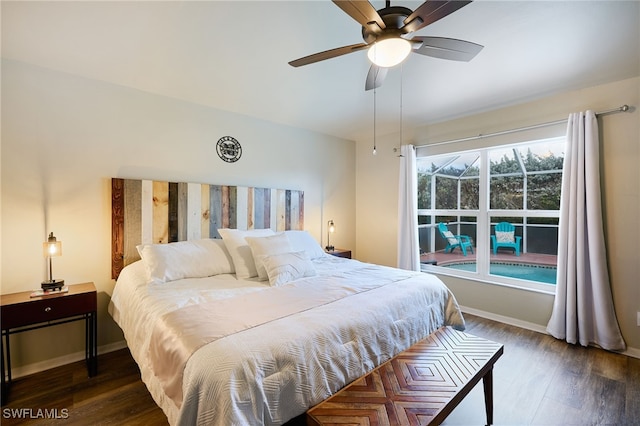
393, 18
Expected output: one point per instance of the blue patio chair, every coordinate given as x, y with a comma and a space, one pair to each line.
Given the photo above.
505, 237
453, 241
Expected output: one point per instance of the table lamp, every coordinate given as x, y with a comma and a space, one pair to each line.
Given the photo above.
331, 228
52, 248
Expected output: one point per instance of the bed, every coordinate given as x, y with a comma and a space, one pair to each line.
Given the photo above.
256, 326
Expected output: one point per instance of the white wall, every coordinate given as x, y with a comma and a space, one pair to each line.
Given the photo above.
377, 194
64, 138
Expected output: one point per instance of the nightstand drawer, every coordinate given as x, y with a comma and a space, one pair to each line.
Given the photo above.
47, 309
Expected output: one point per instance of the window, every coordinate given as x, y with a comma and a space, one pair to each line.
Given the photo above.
472, 192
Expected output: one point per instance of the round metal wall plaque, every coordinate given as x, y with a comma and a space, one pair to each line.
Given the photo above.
229, 149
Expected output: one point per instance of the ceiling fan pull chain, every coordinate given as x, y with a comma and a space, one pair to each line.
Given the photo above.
374, 121
400, 141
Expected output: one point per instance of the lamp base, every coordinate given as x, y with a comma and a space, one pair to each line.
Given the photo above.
52, 284
329, 248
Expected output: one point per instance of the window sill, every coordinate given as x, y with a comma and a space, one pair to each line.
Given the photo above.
532, 286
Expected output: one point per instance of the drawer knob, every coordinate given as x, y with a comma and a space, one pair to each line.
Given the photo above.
47, 309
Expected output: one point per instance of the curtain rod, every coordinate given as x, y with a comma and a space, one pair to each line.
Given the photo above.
623, 108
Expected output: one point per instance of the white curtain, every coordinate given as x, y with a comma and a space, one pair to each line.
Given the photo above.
408, 245
583, 309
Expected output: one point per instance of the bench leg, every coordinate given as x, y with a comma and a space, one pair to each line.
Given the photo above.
487, 382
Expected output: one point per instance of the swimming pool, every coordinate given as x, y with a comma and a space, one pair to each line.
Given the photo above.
521, 271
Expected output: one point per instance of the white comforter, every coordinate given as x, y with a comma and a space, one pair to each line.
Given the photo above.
270, 373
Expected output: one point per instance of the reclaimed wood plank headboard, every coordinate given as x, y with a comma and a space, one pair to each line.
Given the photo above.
146, 211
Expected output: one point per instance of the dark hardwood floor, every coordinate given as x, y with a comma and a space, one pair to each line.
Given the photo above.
544, 381
538, 381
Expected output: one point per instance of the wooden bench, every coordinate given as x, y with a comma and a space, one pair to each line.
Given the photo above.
420, 386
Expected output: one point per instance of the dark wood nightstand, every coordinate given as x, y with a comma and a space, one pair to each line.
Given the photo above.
20, 312
340, 253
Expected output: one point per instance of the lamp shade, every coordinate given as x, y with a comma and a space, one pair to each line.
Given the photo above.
389, 52
52, 247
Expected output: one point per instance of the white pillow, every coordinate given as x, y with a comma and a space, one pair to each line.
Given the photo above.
304, 241
240, 251
185, 259
264, 246
285, 267
505, 237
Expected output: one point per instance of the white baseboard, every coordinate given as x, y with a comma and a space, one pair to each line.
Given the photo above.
505, 320
632, 352
37, 367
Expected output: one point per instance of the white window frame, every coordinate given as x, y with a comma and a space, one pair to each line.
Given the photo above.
483, 224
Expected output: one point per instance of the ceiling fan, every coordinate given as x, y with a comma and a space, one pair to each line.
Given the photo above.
386, 31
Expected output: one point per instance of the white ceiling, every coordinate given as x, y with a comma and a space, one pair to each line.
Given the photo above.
233, 55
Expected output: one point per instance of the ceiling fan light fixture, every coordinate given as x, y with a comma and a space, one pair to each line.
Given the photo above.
389, 52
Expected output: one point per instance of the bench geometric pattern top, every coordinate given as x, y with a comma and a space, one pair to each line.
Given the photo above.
420, 386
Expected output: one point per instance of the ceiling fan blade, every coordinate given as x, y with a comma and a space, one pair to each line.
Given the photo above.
375, 77
429, 12
447, 48
328, 54
364, 13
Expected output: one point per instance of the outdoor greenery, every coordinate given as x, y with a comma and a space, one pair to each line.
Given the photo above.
507, 182
424, 191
